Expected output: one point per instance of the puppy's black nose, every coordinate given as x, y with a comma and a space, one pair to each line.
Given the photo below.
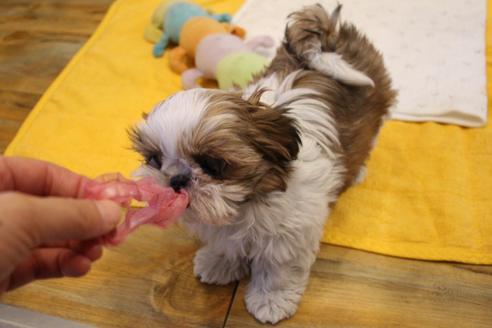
179, 181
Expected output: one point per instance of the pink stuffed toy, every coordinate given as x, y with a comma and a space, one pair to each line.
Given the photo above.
228, 59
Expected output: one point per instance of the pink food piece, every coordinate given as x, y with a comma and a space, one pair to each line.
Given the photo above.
164, 205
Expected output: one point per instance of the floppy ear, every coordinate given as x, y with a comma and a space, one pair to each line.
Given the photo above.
276, 137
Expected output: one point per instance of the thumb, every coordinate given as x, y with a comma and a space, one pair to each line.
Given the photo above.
44, 220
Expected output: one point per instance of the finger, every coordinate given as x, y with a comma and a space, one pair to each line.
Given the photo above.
49, 263
93, 253
92, 249
75, 245
51, 219
39, 178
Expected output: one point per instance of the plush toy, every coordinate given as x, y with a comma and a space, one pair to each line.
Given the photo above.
182, 57
228, 59
170, 17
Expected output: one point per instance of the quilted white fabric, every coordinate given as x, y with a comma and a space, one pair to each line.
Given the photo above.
434, 50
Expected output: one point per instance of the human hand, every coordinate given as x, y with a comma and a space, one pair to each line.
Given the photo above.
45, 231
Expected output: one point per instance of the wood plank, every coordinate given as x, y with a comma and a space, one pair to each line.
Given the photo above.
37, 39
146, 282
14, 108
75, 16
29, 61
350, 288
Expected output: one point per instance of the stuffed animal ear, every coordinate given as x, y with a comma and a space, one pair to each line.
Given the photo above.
236, 30
260, 41
179, 61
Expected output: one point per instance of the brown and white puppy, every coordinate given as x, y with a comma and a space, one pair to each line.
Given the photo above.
263, 166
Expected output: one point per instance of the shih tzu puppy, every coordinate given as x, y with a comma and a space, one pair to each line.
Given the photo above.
264, 165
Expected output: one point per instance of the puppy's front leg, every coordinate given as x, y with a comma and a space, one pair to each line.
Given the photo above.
277, 287
214, 266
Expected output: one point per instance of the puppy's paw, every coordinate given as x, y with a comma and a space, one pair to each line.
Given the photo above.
272, 306
212, 268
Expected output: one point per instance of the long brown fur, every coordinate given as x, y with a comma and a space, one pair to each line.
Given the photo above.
271, 138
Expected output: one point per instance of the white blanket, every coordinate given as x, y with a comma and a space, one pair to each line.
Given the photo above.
434, 50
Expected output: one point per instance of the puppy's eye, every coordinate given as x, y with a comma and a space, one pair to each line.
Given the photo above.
154, 160
215, 167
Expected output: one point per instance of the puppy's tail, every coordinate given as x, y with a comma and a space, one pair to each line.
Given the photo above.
311, 35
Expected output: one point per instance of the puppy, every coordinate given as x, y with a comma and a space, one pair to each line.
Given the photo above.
264, 166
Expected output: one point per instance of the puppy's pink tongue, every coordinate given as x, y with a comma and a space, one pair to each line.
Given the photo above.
164, 205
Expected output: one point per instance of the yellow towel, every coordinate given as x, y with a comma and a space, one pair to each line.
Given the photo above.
427, 195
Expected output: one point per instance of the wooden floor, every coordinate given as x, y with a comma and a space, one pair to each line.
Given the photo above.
148, 281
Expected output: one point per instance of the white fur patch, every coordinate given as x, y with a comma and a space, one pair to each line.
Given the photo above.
174, 119
333, 65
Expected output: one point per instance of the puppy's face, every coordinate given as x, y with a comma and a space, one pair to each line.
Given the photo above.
222, 149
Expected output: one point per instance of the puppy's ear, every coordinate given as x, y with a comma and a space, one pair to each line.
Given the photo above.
274, 134
276, 137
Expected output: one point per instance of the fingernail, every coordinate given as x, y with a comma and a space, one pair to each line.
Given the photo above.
110, 212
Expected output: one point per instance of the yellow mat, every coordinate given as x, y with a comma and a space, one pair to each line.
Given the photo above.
428, 194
